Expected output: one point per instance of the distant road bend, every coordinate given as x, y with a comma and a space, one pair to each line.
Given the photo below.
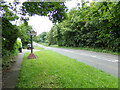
102, 61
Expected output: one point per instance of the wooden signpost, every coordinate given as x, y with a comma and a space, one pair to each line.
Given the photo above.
32, 33
31, 56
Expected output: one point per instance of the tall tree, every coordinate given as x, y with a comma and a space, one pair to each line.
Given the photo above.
95, 26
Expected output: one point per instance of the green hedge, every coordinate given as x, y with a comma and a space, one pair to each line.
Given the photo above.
10, 45
8, 56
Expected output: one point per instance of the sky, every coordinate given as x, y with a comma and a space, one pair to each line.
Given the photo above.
43, 24
40, 23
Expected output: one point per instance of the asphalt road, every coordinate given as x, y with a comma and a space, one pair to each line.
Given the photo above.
106, 62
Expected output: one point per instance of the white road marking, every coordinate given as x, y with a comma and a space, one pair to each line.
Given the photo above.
116, 61
83, 54
68, 51
93, 56
105, 59
48, 47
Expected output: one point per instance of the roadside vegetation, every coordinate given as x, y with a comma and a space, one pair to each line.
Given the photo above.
53, 70
10, 44
84, 48
8, 55
10, 13
94, 27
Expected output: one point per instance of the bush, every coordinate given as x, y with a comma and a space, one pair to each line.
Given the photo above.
8, 56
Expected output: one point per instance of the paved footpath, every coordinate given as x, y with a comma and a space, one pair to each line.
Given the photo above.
9, 80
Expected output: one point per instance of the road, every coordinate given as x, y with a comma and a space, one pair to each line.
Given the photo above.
106, 62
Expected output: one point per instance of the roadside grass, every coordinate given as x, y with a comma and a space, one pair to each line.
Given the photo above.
90, 49
85, 48
38, 48
45, 44
53, 70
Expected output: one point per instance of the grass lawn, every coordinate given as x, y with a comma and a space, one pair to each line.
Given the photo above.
53, 70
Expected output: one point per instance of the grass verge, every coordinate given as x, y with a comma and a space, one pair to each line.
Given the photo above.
89, 49
45, 44
84, 48
53, 70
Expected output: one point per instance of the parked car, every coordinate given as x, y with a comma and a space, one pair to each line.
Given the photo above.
29, 46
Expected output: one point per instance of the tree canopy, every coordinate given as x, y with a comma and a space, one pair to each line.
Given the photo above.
56, 11
94, 26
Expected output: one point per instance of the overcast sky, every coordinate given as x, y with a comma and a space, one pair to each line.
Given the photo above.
42, 23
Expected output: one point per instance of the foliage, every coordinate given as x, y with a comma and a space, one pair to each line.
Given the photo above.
56, 11
9, 13
50, 36
94, 26
7, 55
53, 70
25, 38
41, 38
10, 33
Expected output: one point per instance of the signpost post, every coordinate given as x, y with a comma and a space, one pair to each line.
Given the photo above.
31, 45
32, 33
32, 56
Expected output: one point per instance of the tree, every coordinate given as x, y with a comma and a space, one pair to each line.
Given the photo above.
50, 36
25, 38
9, 34
56, 11
94, 26
41, 38
9, 12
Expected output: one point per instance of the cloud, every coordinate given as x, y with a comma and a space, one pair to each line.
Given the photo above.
40, 23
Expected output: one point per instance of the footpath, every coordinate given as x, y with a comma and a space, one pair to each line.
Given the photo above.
11, 76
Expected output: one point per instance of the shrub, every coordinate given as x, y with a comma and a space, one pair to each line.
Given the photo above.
8, 55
